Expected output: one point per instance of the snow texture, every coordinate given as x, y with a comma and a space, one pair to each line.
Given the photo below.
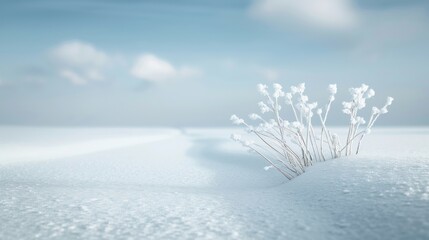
197, 184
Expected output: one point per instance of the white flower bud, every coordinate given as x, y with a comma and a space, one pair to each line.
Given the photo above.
296, 124
277, 87
266, 168
236, 120
347, 105
301, 87
263, 107
312, 105
305, 109
364, 87
361, 103
286, 123
236, 137
370, 93
254, 116
319, 111
294, 89
262, 88
347, 111
278, 92
360, 120
332, 88
389, 101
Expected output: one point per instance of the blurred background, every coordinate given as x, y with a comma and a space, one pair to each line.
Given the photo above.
193, 63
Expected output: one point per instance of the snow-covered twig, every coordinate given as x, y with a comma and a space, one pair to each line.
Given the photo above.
291, 147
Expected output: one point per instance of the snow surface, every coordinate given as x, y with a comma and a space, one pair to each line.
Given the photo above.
93, 183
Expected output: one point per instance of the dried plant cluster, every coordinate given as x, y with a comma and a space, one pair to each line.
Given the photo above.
291, 147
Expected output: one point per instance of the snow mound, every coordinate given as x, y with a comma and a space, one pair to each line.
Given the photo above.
197, 184
55, 143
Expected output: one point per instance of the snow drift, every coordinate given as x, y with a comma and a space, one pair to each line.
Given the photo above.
195, 183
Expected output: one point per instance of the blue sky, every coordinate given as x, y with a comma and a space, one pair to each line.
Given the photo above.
194, 63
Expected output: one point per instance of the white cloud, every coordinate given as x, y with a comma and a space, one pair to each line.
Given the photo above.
79, 54
154, 69
337, 15
269, 74
73, 77
80, 62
